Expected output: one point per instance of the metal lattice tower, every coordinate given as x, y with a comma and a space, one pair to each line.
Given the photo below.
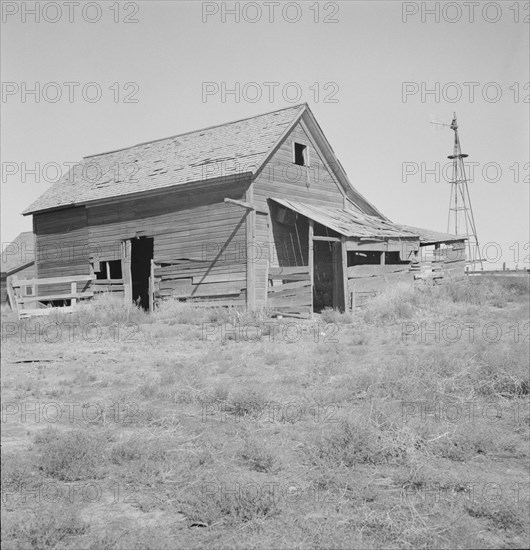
460, 220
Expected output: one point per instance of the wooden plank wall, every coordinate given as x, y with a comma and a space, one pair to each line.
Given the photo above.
291, 293
201, 281
289, 255
283, 179
365, 281
448, 263
199, 240
61, 239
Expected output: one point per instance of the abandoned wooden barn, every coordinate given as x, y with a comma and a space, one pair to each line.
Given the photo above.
254, 213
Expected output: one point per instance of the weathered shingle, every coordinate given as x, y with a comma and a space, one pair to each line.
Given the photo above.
224, 150
348, 222
427, 236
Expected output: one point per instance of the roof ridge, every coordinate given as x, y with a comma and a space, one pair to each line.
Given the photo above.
298, 106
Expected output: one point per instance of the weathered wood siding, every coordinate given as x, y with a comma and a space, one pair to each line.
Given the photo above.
280, 245
283, 179
260, 255
61, 239
199, 240
365, 281
447, 263
288, 276
291, 292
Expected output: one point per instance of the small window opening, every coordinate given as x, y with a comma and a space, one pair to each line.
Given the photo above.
394, 258
28, 291
364, 258
109, 270
300, 154
115, 269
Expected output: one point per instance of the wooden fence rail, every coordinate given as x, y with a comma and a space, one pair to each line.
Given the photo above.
24, 292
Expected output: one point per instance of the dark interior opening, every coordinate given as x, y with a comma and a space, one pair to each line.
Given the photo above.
291, 237
374, 258
141, 256
323, 231
299, 154
109, 270
323, 277
115, 269
394, 258
364, 258
56, 303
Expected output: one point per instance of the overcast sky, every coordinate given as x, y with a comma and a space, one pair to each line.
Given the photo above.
363, 67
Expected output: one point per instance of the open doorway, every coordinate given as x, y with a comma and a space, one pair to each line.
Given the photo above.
323, 275
328, 288
141, 256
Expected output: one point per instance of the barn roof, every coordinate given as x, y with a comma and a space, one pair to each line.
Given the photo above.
427, 236
236, 148
227, 149
18, 254
348, 222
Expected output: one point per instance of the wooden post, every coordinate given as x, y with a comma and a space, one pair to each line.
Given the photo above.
267, 260
73, 290
344, 254
152, 287
126, 270
11, 294
250, 225
311, 262
337, 277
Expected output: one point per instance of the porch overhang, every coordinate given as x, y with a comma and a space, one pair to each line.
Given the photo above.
348, 223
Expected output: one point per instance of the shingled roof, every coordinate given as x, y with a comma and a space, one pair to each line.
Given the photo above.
233, 148
427, 236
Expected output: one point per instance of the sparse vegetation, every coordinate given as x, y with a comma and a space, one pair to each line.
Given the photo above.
330, 315
405, 427
70, 456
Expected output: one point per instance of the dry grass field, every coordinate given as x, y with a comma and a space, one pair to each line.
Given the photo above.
405, 426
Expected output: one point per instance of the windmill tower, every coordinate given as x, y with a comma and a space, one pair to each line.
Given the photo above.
460, 220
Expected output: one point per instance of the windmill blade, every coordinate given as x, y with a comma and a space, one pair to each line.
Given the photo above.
437, 123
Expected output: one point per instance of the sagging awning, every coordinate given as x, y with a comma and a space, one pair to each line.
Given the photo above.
359, 225
347, 222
